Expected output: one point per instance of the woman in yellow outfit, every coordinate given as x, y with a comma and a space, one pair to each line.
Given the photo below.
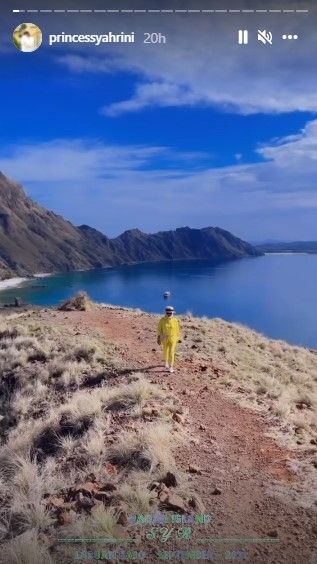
168, 335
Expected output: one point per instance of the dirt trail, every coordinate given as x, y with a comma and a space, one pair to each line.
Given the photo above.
231, 450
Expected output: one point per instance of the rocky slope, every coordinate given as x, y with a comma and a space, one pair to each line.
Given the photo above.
33, 239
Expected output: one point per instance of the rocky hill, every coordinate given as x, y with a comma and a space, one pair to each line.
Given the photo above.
33, 239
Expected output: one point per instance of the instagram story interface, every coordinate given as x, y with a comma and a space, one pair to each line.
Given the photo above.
158, 271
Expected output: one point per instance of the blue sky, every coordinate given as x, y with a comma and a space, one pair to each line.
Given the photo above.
78, 100
160, 137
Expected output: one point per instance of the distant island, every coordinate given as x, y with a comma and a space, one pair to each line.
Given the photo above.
290, 247
34, 240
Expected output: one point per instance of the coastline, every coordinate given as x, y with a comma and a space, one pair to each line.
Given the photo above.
12, 283
288, 253
42, 275
17, 281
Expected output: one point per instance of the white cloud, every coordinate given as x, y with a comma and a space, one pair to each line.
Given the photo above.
108, 64
155, 93
202, 64
113, 188
303, 148
63, 160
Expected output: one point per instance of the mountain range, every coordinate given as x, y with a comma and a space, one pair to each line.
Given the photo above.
34, 239
289, 247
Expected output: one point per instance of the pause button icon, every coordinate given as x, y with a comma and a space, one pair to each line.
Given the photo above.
243, 37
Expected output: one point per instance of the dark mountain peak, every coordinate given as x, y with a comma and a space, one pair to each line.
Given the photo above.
186, 228
94, 235
133, 232
87, 229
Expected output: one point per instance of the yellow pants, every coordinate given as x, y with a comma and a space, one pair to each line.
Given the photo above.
169, 349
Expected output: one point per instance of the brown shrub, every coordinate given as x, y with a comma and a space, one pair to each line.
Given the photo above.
79, 302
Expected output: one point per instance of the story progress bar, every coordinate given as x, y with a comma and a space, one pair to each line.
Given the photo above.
153, 11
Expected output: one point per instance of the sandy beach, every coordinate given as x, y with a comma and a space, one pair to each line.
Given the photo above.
18, 281
42, 274
11, 283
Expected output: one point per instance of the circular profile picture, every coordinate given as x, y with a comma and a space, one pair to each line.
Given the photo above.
27, 37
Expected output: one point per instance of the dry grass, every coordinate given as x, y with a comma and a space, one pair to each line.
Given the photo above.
60, 426
149, 449
100, 524
96, 438
27, 549
158, 446
257, 371
137, 498
79, 302
134, 393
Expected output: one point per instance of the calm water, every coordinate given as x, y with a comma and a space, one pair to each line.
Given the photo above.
274, 294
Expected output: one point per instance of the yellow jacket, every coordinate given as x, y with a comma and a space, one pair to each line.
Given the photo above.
168, 328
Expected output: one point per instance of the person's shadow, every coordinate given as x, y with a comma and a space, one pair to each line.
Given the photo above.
92, 381
140, 369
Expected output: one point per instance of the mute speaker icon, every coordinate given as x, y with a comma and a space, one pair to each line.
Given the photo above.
265, 36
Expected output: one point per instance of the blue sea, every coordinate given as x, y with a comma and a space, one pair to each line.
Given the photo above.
274, 294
